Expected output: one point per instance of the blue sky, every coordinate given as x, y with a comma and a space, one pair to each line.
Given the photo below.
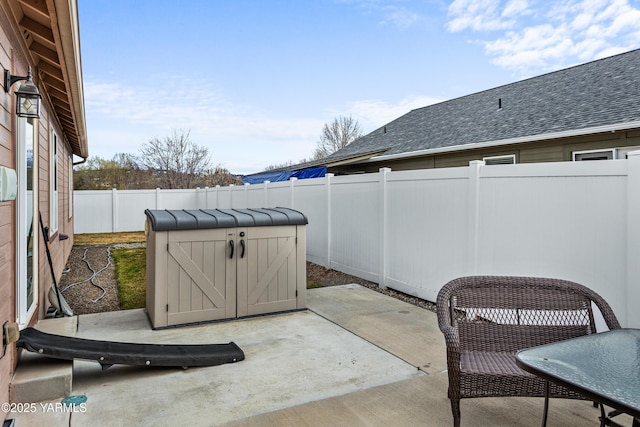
254, 81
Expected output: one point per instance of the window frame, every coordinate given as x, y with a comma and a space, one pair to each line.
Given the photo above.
512, 157
70, 188
53, 183
25, 311
612, 151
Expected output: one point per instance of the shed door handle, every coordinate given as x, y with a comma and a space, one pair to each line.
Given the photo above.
231, 248
243, 248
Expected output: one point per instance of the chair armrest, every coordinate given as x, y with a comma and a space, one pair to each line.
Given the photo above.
451, 336
452, 341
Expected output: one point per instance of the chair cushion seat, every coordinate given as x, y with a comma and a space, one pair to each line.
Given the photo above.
491, 363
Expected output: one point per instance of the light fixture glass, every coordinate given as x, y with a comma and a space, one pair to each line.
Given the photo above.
28, 102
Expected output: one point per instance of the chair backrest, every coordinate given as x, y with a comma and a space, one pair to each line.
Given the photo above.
499, 313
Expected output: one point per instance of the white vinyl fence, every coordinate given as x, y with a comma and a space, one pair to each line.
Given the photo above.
415, 230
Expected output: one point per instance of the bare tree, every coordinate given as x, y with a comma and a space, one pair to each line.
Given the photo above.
341, 132
177, 161
121, 172
220, 176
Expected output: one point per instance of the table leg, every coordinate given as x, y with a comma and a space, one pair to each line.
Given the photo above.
606, 419
546, 403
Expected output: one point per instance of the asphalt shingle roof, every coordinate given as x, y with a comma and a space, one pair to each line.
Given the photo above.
598, 93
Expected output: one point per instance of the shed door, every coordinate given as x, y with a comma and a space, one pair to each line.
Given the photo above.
201, 277
267, 271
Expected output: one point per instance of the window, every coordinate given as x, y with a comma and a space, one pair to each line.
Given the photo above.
623, 153
500, 160
70, 187
27, 230
608, 154
53, 183
594, 155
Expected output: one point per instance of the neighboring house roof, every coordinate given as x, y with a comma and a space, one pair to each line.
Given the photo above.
598, 96
315, 163
285, 175
51, 35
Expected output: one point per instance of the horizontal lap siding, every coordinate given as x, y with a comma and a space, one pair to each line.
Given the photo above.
555, 150
7, 292
60, 249
7, 226
12, 59
44, 278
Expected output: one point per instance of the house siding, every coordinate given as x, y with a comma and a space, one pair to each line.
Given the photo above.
13, 58
7, 219
556, 150
60, 250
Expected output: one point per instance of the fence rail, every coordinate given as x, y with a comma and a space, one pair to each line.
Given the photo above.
415, 230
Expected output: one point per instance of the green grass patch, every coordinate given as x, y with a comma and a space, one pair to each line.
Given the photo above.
130, 264
92, 239
312, 284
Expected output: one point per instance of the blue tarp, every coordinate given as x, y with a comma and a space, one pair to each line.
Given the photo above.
315, 172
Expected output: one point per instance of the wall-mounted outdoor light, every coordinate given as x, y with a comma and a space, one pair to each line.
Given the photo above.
28, 104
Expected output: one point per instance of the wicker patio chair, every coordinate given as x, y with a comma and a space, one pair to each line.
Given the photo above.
486, 320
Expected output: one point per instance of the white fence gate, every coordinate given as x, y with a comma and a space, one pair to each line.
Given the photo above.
416, 230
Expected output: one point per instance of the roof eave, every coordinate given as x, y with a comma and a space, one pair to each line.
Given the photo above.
508, 141
67, 27
354, 158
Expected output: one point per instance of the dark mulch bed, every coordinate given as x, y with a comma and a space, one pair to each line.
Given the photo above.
326, 277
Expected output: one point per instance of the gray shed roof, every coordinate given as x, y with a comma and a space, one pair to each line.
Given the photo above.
589, 96
194, 219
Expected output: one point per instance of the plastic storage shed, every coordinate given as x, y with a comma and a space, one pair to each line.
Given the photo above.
212, 264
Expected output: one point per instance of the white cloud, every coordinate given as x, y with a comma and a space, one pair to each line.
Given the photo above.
484, 15
392, 12
400, 17
243, 139
514, 8
191, 105
122, 118
530, 37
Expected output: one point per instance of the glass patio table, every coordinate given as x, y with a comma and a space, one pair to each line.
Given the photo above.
604, 367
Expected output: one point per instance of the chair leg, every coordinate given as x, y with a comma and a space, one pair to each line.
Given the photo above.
455, 410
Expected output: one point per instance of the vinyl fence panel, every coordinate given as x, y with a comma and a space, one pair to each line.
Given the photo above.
93, 211
129, 214
355, 230
311, 197
427, 229
567, 221
415, 230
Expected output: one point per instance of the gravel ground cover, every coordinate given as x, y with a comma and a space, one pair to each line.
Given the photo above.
85, 291
89, 283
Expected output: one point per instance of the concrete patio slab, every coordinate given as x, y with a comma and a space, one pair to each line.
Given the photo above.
291, 359
409, 332
422, 402
301, 369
